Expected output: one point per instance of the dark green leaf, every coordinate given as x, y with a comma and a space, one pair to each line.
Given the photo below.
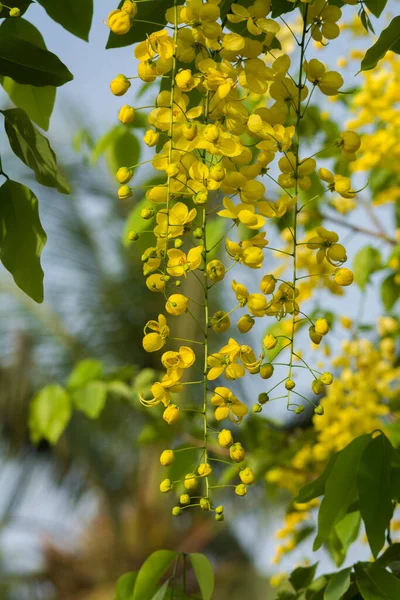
316, 487
160, 594
49, 414
33, 149
391, 554
151, 572
342, 535
367, 587
120, 146
22, 237
373, 483
91, 398
204, 574
375, 6
388, 40
125, 586
340, 488
85, 371
338, 585
375, 583
301, 577
74, 15
390, 292
280, 7
27, 63
37, 102
147, 11
366, 262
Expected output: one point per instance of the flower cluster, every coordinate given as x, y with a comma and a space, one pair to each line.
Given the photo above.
227, 117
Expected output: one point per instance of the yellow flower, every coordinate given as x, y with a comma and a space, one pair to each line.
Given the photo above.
176, 304
220, 321
328, 82
249, 190
215, 270
327, 244
154, 341
237, 453
268, 284
343, 277
155, 282
190, 482
124, 175
176, 361
241, 293
179, 263
270, 341
225, 438
247, 476
204, 470
119, 21
241, 489
167, 458
245, 324
228, 406
166, 486
151, 138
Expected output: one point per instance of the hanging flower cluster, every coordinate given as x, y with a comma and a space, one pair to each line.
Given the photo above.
226, 131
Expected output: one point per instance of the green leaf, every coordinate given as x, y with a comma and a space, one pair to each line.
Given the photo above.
316, 488
91, 398
151, 572
204, 574
85, 371
340, 488
373, 483
375, 583
120, 146
27, 63
366, 262
280, 7
125, 586
301, 577
375, 6
74, 15
338, 585
342, 535
37, 102
22, 237
160, 594
388, 40
390, 292
391, 554
49, 414
33, 149
148, 11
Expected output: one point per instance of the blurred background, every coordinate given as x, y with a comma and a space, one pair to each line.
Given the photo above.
76, 516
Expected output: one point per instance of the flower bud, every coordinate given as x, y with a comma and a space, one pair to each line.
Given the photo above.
327, 378
200, 198
124, 192
263, 397
241, 489
290, 384
219, 517
119, 21
299, 410
318, 410
120, 85
225, 438
211, 133
176, 304
343, 276
190, 482
15, 12
198, 233
133, 236
177, 511
184, 499
167, 458
220, 321
124, 175
205, 504
189, 131
178, 243
247, 476
147, 213
166, 486
126, 114
130, 7
204, 470
245, 323
237, 452
215, 270
266, 371
321, 327
270, 341
151, 138
219, 510
256, 408
268, 284
171, 414
314, 336
318, 387
217, 173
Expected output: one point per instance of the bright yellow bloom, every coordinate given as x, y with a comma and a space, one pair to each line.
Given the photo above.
179, 263
120, 85
176, 304
154, 341
228, 406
